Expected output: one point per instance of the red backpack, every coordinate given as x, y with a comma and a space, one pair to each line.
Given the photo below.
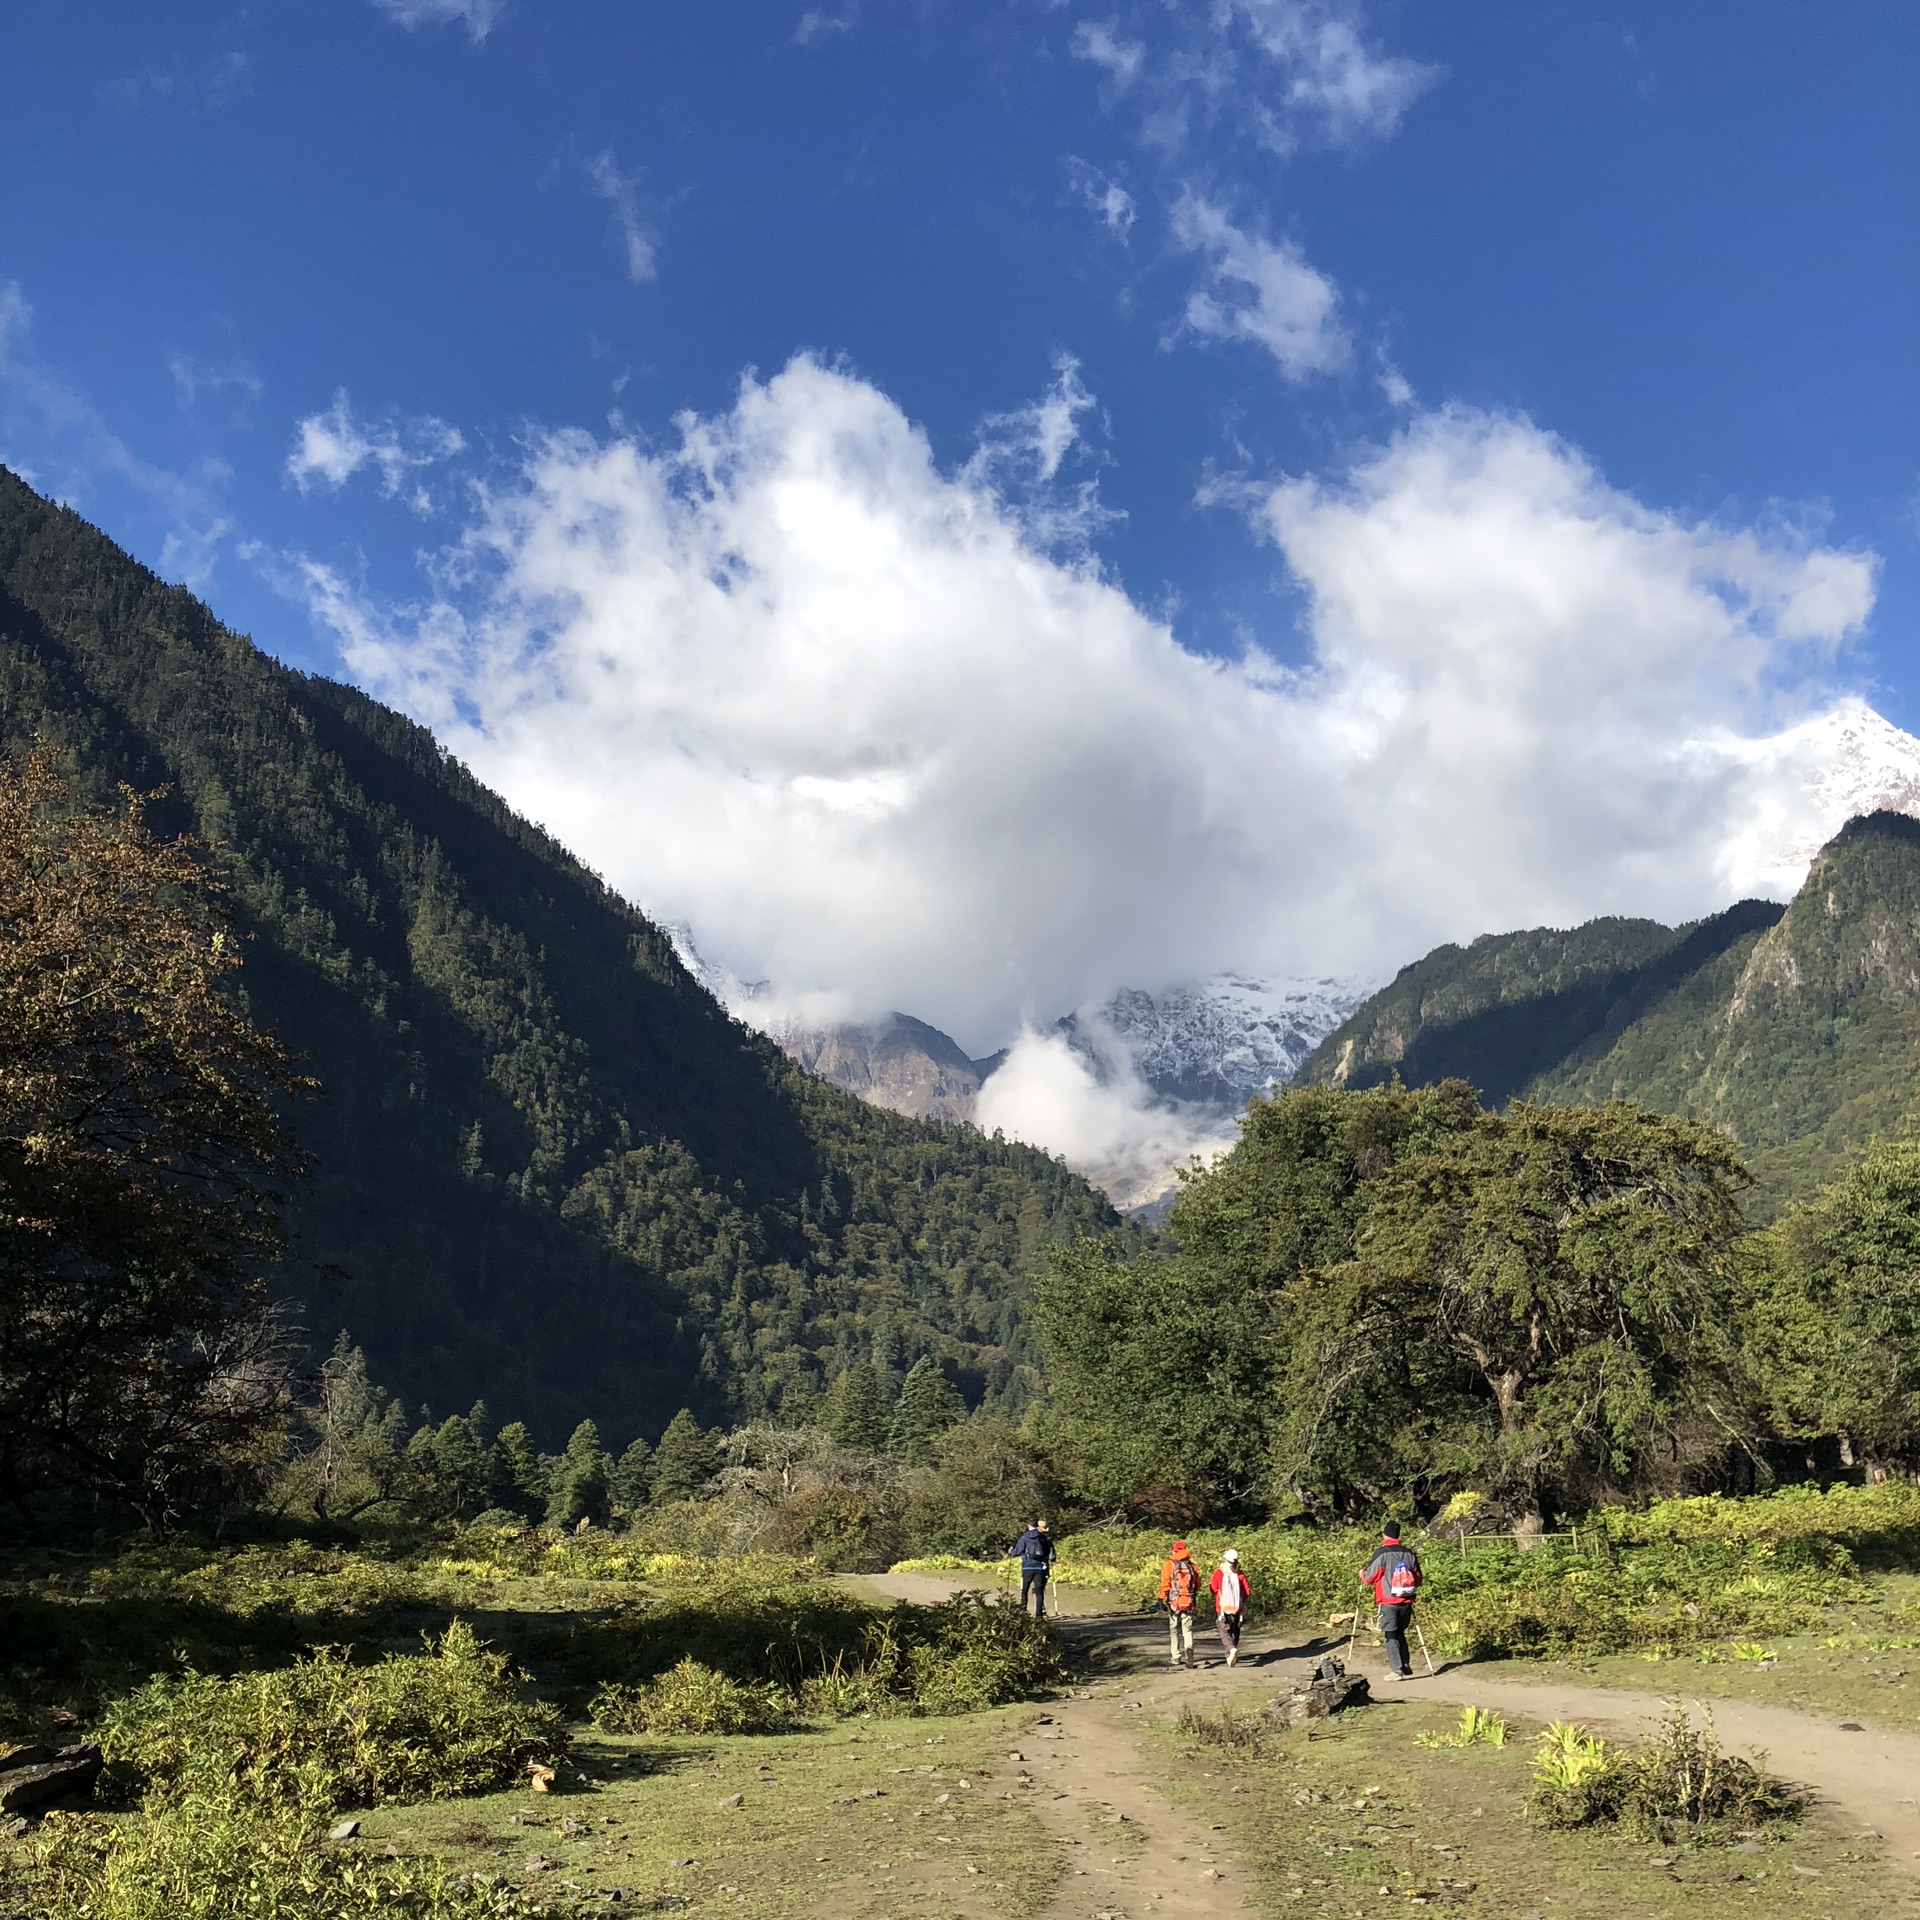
1182, 1585
1399, 1582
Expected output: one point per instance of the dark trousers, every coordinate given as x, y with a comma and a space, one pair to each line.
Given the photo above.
1393, 1630
1033, 1584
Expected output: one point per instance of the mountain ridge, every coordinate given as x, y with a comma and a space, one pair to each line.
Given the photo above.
1796, 1027
554, 1171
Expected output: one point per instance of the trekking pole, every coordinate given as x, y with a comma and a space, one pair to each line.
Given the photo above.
1422, 1638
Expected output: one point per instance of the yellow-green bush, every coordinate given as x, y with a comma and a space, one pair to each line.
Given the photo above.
453, 1720
216, 1855
690, 1698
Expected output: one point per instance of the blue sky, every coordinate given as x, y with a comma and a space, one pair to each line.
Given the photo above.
1165, 288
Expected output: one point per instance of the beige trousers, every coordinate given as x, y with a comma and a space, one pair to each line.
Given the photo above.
1179, 1636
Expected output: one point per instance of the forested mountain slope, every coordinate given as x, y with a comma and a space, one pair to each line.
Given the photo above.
1797, 1029
552, 1171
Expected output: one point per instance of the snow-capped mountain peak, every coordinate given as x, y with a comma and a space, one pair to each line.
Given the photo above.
1230, 1036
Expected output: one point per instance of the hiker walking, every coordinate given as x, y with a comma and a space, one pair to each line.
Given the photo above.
1034, 1551
1230, 1596
1394, 1575
1179, 1592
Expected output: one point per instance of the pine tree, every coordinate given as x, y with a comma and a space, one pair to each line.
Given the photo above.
929, 1405
633, 1477
855, 1414
519, 1481
685, 1460
582, 1481
460, 1465
887, 1357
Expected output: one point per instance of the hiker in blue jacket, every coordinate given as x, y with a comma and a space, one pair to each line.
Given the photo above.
1034, 1551
1394, 1575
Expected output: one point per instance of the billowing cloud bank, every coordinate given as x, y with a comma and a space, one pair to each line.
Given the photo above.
854, 719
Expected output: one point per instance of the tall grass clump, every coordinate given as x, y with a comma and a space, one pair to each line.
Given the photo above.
421, 1727
1678, 1784
1226, 1727
1476, 1729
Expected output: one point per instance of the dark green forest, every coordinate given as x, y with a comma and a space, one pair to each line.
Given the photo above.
1797, 1030
551, 1172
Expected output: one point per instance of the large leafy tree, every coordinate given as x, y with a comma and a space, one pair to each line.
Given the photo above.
1572, 1269
1193, 1374
143, 1163
1836, 1312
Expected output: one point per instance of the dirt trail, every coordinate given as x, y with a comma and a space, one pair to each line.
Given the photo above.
1086, 1764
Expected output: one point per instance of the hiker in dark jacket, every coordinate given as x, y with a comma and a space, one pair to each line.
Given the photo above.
1034, 1551
1394, 1575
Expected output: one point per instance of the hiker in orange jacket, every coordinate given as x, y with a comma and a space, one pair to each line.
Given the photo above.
1179, 1593
1230, 1596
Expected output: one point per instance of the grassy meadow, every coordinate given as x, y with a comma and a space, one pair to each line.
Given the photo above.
753, 1735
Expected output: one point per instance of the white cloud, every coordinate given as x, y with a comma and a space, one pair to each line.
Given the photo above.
1103, 196
1099, 43
789, 681
1329, 76
1262, 291
479, 17
192, 378
816, 23
621, 191
1276, 73
330, 448
1020, 457
1097, 1113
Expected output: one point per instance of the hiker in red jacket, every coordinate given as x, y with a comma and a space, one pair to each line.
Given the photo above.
1179, 1591
1394, 1575
1230, 1596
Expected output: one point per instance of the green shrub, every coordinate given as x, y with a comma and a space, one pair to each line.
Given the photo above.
965, 1654
690, 1698
1678, 1782
217, 1855
408, 1728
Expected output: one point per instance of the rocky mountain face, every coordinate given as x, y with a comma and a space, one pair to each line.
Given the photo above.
899, 1063
1796, 1028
